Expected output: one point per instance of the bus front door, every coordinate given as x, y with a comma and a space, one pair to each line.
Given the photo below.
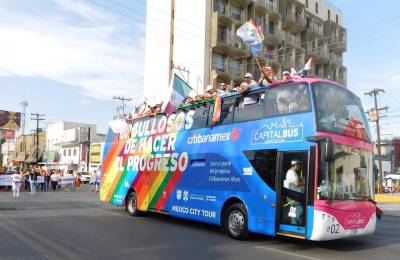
291, 193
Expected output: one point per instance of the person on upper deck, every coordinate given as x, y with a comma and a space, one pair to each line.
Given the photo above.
223, 90
267, 75
247, 84
285, 75
210, 92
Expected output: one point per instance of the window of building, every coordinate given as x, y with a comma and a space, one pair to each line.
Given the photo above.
64, 152
260, 21
337, 19
307, 3
222, 33
220, 6
218, 61
316, 8
317, 68
271, 27
75, 151
234, 66
236, 12
292, 98
329, 15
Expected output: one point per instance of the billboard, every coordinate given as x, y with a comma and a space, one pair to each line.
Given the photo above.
10, 120
7, 134
95, 153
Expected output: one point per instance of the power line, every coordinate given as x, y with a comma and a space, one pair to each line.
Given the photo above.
123, 100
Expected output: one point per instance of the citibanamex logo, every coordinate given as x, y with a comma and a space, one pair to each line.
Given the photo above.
235, 134
219, 137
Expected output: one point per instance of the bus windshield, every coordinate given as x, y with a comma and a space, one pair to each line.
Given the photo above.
340, 112
349, 176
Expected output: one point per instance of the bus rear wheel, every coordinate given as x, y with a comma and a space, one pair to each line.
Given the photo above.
131, 204
236, 221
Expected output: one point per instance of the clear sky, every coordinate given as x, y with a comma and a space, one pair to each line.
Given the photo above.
67, 58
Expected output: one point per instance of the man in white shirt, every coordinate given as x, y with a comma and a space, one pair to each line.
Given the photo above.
16, 179
95, 179
293, 182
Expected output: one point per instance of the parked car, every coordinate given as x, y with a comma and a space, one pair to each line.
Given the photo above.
85, 177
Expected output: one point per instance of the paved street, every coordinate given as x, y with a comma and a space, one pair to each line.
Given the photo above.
65, 225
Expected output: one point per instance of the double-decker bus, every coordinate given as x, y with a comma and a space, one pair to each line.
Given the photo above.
234, 171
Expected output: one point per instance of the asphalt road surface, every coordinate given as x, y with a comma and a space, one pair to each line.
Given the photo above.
75, 225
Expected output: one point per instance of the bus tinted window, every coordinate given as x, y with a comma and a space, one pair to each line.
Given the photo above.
264, 162
227, 110
250, 107
339, 111
287, 99
200, 115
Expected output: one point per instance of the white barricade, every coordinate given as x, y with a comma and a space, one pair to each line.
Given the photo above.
66, 180
5, 180
40, 179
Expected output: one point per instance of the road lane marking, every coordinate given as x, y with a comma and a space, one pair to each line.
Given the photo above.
297, 255
30, 242
38, 242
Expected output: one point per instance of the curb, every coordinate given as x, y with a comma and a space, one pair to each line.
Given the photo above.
387, 198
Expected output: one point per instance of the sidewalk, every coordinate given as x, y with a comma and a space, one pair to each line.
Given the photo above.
389, 203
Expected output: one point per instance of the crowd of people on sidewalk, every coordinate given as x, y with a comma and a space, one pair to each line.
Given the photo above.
37, 178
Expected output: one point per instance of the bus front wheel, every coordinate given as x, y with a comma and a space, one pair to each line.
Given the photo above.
131, 204
236, 221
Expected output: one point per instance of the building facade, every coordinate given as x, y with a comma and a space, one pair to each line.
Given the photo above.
389, 148
66, 144
26, 149
204, 41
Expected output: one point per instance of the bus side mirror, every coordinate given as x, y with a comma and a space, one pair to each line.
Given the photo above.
326, 146
326, 151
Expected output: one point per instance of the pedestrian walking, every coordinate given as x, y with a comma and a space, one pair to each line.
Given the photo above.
16, 178
95, 179
54, 181
77, 180
32, 180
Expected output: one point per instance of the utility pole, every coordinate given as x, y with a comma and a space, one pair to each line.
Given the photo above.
122, 99
24, 104
88, 150
374, 117
171, 40
37, 118
183, 70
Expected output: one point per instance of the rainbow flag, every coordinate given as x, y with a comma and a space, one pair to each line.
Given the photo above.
217, 110
252, 35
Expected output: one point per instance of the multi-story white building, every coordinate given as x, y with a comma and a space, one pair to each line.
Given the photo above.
201, 37
66, 144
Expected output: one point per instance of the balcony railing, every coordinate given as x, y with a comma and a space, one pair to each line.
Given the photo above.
262, 2
314, 28
299, 20
290, 16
